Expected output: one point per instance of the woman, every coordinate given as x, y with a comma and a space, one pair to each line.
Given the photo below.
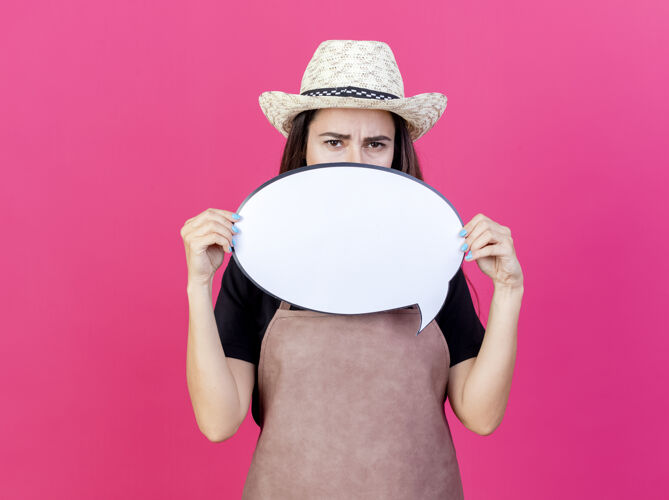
350, 406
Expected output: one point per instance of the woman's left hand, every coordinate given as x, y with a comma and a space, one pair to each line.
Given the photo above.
491, 246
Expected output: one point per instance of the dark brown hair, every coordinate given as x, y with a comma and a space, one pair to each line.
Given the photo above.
405, 158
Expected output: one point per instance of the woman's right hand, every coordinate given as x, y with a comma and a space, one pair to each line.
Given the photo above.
207, 237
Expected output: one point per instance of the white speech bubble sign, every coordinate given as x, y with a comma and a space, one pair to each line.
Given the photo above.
350, 238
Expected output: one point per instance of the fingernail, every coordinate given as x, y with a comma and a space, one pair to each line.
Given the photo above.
464, 247
468, 256
233, 241
463, 232
229, 248
236, 216
234, 228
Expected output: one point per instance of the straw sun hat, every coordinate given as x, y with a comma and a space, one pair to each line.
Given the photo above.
353, 74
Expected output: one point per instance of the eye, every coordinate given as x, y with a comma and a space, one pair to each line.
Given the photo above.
331, 141
376, 145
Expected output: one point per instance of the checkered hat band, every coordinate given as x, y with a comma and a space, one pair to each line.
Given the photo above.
351, 92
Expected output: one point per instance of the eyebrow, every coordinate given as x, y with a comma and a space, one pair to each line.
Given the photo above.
347, 136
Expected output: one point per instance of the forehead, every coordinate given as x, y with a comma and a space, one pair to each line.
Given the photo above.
363, 119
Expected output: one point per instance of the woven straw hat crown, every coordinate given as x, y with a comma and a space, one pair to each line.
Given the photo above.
364, 64
353, 74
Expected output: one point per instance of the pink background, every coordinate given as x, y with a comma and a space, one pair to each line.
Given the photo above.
120, 120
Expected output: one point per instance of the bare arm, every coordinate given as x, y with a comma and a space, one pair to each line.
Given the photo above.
220, 388
213, 379
479, 387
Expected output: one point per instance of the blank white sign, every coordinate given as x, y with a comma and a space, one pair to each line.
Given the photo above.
350, 238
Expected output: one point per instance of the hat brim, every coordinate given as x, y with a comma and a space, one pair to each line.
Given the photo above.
421, 111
